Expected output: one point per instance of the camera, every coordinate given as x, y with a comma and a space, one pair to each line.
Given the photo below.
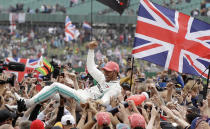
11, 80
115, 109
14, 66
141, 79
126, 86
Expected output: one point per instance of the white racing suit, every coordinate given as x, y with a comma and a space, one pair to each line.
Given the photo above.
104, 90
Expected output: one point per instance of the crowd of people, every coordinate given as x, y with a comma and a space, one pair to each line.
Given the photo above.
32, 44
204, 9
110, 93
45, 8
104, 97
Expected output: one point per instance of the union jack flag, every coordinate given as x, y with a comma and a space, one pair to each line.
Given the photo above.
172, 39
30, 65
70, 30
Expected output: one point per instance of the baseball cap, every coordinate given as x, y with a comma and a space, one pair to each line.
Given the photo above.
122, 126
56, 127
103, 118
137, 120
68, 119
37, 124
58, 124
111, 66
5, 115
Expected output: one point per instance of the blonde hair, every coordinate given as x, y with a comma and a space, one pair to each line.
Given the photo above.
191, 86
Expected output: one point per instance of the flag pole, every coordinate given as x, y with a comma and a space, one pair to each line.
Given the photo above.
197, 81
132, 63
205, 89
91, 21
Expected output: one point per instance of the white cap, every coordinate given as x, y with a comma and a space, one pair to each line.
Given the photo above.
66, 118
145, 94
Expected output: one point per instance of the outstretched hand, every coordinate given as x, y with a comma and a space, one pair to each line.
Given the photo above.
93, 45
21, 105
72, 76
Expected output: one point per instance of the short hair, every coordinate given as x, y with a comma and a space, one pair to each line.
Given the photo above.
56, 127
138, 128
25, 125
6, 126
106, 127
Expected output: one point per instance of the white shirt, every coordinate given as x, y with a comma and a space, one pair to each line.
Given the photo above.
104, 90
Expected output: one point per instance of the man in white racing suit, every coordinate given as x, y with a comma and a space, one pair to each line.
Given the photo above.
108, 84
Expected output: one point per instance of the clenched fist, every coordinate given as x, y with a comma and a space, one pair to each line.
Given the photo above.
93, 45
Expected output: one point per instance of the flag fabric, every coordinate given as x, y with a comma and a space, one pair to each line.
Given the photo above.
172, 39
38, 75
46, 68
86, 25
71, 32
30, 65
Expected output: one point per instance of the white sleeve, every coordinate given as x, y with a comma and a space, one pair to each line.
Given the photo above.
91, 67
41, 116
112, 92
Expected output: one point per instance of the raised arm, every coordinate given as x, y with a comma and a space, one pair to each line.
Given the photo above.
91, 66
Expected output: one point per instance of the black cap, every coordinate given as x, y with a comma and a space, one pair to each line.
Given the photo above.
126, 86
193, 109
56, 127
5, 115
